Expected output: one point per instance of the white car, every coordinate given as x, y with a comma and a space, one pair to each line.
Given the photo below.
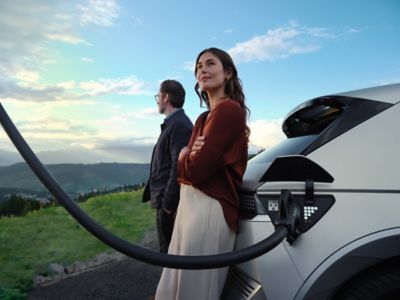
341, 164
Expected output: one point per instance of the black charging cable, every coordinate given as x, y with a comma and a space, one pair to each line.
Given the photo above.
129, 249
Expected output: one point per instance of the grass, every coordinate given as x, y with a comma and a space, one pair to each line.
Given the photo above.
29, 244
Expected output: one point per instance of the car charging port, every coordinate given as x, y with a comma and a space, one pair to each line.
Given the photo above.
289, 215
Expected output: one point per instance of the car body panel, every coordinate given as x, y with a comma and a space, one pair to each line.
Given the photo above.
353, 216
357, 165
356, 231
264, 266
386, 93
351, 259
254, 171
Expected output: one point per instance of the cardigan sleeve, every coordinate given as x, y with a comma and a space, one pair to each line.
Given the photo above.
195, 131
225, 125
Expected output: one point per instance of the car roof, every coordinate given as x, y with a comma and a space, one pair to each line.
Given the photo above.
386, 93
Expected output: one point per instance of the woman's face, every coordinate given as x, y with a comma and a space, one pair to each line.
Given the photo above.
210, 73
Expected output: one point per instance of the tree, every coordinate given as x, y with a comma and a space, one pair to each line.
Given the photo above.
18, 206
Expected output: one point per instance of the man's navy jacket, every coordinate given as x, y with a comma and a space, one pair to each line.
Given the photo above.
162, 189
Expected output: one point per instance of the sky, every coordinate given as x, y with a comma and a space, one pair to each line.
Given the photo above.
78, 78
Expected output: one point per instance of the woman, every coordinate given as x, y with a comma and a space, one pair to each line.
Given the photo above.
210, 170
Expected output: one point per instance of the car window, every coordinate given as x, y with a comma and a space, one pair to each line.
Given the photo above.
290, 146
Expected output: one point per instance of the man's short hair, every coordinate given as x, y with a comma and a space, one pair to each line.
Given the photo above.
176, 92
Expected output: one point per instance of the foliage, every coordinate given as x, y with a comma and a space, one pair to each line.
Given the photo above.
12, 294
250, 156
18, 206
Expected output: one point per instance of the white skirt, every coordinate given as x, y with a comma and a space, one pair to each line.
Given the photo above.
200, 229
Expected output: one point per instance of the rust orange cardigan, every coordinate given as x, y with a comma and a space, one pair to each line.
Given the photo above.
217, 169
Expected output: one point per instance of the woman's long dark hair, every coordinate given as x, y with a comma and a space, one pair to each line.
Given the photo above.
233, 85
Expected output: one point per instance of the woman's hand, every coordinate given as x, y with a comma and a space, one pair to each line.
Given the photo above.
184, 152
198, 144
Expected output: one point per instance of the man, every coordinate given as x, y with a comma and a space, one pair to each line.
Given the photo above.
162, 189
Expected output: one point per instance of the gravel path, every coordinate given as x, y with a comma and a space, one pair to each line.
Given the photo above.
128, 279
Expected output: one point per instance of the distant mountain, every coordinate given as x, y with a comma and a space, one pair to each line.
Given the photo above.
8, 158
73, 177
80, 155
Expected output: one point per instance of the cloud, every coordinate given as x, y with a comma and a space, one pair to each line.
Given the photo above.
266, 133
189, 65
124, 125
34, 92
54, 134
87, 59
50, 128
136, 149
283, 42
67, 84
27, 31
25, 35
108, 140
28, 37
99, 12
276, 44
123, 86
26, 75
70, 91
66, 38
124, 120
147, 113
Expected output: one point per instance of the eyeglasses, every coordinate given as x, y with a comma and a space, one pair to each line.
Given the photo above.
157, 97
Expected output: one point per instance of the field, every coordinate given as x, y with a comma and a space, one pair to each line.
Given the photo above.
29, 244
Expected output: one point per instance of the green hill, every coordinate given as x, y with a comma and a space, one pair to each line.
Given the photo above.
73, 177
29, 244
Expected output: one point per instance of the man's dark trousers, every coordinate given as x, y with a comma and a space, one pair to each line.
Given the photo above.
165, 226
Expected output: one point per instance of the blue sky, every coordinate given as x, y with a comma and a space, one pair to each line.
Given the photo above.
78, 77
